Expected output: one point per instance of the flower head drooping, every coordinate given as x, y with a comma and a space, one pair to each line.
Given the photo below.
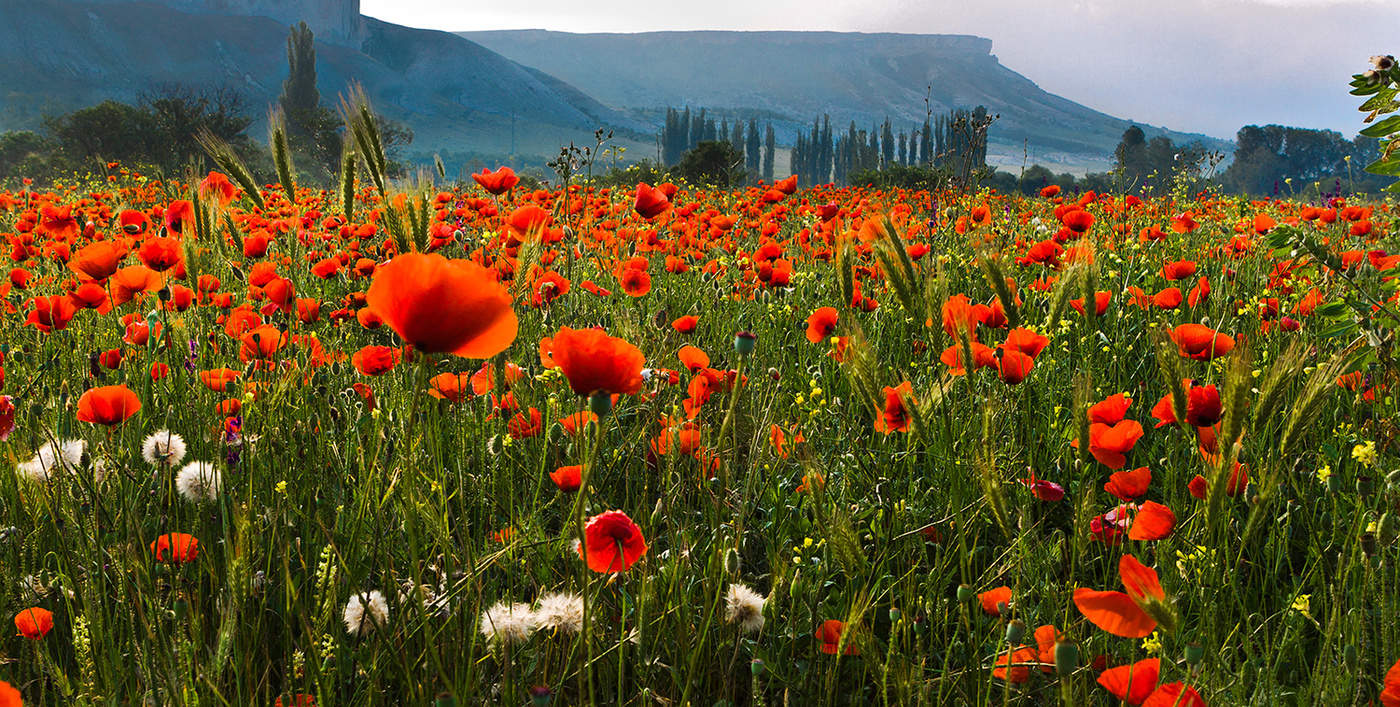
744, 606
366, 612
163, 449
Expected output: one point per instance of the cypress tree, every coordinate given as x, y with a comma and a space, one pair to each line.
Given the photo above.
752, 157
769, 147
300, 99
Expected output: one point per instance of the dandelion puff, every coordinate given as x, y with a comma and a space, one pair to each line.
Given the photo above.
561, 612
70, 453
35, 470
744, 606
366, 612
507, 623
199, 481
163, 449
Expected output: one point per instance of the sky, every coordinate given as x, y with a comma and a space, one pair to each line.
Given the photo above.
1206, 66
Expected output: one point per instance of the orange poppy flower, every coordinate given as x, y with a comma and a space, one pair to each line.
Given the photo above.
448, 386
693, 358
1110, 443
830, 633
176, 548
1012, 365
178, 215
218, 186
1014, 666
895, 416
612, 542
261, 343
34, 623
1132, 683
160, 254
9, 696
1126, 614
130, 281
567, 478
444, 306
108, 405
595, 362
218, 379
993, 599
1153, 521
685, 324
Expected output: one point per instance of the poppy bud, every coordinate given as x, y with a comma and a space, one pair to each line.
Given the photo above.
775, 374
965, 593
600, 404
541, 696
1363, 485
744, 343
1194, 653
1015, 631
1066, 658
894, 615
446, 700
656, 513
756, 667
731, 562
1351, 655
1388, 528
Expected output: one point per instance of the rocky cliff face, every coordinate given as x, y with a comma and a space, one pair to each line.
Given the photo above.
335, 21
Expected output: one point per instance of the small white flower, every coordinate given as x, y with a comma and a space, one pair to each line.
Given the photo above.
163, 448
560, 611
366, 612
507, 623
199, 481
744, 606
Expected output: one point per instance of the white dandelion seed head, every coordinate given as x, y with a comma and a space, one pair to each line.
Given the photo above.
744, 606
199, 482
163, 448
560, 611
507, 623
34, 470
366, 612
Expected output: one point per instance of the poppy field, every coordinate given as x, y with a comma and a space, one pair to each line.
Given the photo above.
786, 444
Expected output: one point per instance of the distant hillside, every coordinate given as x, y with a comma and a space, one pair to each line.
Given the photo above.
459, 97
795, 76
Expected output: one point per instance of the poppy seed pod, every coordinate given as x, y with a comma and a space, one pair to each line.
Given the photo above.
1194, 653
965, 593
1066, 658
756, 667
744, 343
600, 404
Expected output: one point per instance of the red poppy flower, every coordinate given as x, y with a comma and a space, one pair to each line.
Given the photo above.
821, 324
51, 313
595, 362
830, 633
1179, 270
650, 202
7, 417
497, 182
1153, 521
376, 360
982, 355
97, 261
1174, 694
612, 542
635, 283
1101, 301
1200, 342
34, 623
1169, 298
686, 324
1110, 443
1014, 666
1111, 410
218, 379
693, 358
1077, 220
1026, 341
448, 386
9, 696
444, 306
1129, 485
1390, 696
1132, 683
567, 478
178, 215
1013, 366
108, 405
177, 548
133, 223
219, 186
895, 416
1125, 614
261, 343
527, 220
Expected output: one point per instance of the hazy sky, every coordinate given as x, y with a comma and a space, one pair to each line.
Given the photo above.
1206, 66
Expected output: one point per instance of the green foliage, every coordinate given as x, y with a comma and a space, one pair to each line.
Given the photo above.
712, 163
1382, 84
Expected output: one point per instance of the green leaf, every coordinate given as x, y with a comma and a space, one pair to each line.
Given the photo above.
1366, 90
1389, 167
1383, 128
1331, 309
1339, 330
1394, 188
1384, 101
